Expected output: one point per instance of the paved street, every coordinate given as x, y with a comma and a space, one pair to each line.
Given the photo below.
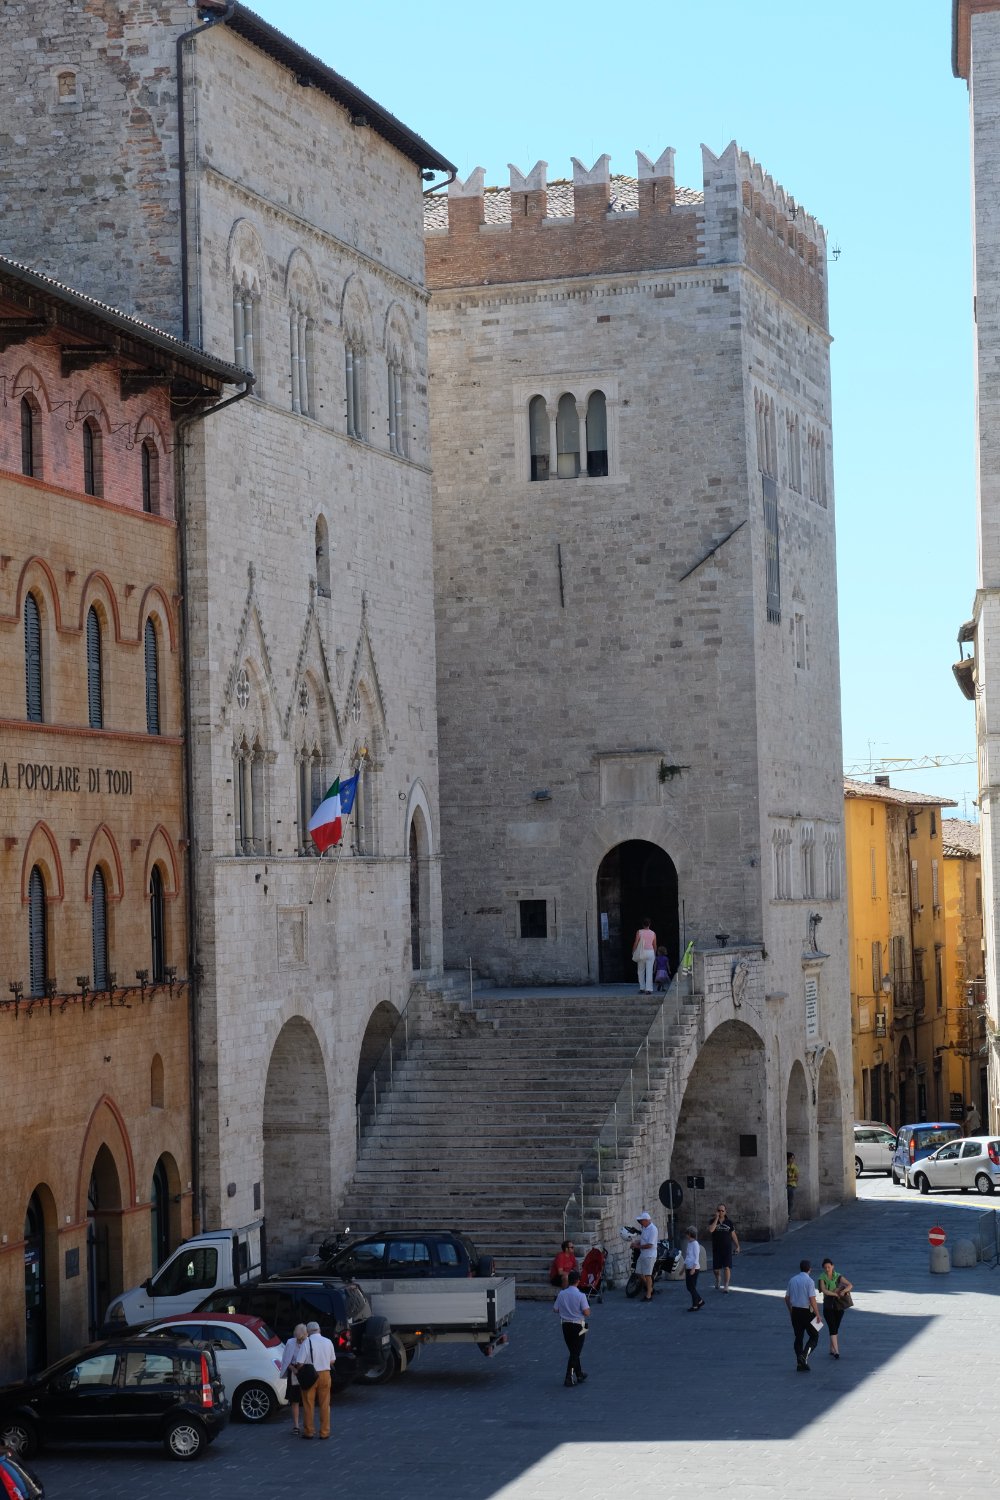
693, 1405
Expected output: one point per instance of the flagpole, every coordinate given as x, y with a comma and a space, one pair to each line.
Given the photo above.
340, 845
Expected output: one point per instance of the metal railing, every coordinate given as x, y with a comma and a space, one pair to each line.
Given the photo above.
615, 1136
393, 1055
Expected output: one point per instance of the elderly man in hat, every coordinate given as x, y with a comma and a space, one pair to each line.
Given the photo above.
647, 1242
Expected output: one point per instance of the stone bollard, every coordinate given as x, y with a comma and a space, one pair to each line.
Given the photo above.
964, 1254
940, 1260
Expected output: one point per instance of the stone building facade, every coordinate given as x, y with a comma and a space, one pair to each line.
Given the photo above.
95, 1001
976, 58
250, 199
637, 620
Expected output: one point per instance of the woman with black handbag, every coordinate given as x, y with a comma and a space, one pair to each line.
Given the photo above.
837, 1299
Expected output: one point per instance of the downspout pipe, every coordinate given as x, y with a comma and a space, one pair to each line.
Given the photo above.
194, 1053
221, 17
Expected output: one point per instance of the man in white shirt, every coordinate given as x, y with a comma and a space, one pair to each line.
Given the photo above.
800, 1299
573, 1310
320, 1353
648, 1241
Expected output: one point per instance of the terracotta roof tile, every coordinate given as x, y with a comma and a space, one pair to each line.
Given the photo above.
893, 794
959, 838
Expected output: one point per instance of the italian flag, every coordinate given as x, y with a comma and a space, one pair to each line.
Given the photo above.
327, 823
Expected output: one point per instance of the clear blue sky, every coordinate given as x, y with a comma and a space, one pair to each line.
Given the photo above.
852, 107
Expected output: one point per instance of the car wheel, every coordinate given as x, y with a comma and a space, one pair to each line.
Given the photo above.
393, 1365
633, 1286
20, 1436
922, 1183
184, 1439
254, 1402
858, 1166
984, 1184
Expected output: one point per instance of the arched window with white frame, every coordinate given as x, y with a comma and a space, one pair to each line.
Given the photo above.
567, 437
538, 437
597, 435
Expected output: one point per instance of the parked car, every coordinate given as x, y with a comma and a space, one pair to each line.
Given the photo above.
119, 1391
362, 1341
414, 1252
874, 1147
205, 1263
916, 1141
878, 1125
963, 1164
247, 1352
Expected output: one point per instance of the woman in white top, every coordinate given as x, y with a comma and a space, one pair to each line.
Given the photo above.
643, 954
295, 1354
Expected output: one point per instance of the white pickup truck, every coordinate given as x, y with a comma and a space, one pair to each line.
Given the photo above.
221, 1257
445, 1310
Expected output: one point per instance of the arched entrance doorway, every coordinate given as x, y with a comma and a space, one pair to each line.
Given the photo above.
104, 1238
636, 880
721, 1130
297, 1165
905, 1075
830, 1132
381, 1024
35, 1310
799, 1139
164, 1210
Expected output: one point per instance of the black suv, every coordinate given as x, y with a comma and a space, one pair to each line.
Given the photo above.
409, 1252
361, 1340
119, 1391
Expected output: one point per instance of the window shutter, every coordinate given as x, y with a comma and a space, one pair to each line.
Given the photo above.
156, 925
33, 659
152, 681
88, 460
95, 704
37, 956
27, 438
99, 929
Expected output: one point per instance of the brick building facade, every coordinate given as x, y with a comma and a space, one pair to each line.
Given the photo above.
636, 604
245, 196
95, 1070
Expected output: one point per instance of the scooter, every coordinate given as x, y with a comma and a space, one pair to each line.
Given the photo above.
666, 1260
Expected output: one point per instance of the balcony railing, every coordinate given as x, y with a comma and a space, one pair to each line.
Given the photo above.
908, 996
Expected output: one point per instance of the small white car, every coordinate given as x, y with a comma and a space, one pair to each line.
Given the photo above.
873, 1148
961, 1164
247, 1351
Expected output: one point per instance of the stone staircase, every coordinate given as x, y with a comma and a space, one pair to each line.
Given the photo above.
495, 1109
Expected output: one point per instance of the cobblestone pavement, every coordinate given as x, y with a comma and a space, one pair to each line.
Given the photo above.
705, 1404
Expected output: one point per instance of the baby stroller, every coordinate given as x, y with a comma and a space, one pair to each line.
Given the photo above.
592, 1274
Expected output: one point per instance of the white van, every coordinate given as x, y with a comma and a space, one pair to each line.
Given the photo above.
219, 1258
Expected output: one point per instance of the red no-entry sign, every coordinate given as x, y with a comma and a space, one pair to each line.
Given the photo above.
936, 1235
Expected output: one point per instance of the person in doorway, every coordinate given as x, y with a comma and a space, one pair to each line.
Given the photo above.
800, 1299
322, 1356
791, 1179
292, 1357
725, 1244
692, 1265
647, 1243
973, 1120
643, 955
836, 1291
562, 1264
661, 969
573, 1310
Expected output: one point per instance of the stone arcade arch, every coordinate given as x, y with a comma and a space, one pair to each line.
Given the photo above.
381, 1024
636, 880
830, 1132
296, 1184
799, 1138
722, 1128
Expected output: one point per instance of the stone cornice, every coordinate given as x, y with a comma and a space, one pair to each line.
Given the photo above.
320, 236
600, 284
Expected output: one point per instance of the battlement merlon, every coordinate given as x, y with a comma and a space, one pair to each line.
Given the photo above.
537, 229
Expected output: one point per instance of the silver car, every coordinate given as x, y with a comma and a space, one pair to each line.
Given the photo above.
963, 1164
873, 1148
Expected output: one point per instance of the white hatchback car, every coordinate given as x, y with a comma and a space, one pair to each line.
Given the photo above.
873, 1148
247, 1351
962, 1164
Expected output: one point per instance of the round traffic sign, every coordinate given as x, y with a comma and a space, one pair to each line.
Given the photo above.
936, 1235
670, 1194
